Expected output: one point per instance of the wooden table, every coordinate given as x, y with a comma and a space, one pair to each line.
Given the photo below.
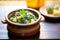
48, 30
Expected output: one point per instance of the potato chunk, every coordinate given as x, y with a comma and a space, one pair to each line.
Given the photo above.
19, 17
56, 12
11, 18
14, 20
32, 20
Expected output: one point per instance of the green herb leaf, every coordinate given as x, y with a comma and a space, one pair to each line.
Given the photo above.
22, 12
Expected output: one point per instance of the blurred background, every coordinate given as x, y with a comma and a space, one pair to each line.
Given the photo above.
17, 2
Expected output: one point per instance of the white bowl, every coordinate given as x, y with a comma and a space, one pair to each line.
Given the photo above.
47, 16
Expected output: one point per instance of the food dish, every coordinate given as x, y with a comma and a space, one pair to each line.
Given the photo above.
50, 11
23, 17
53, 10
23, 29
52, 17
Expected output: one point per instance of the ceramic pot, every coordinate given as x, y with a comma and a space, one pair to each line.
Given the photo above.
23, 30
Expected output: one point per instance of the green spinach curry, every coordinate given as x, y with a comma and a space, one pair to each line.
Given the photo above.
23, 17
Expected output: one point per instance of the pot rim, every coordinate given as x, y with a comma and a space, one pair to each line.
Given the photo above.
39, 17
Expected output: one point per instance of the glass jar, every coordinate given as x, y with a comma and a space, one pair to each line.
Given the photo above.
36, 4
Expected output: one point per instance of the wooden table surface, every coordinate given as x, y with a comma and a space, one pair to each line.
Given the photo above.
48, 30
